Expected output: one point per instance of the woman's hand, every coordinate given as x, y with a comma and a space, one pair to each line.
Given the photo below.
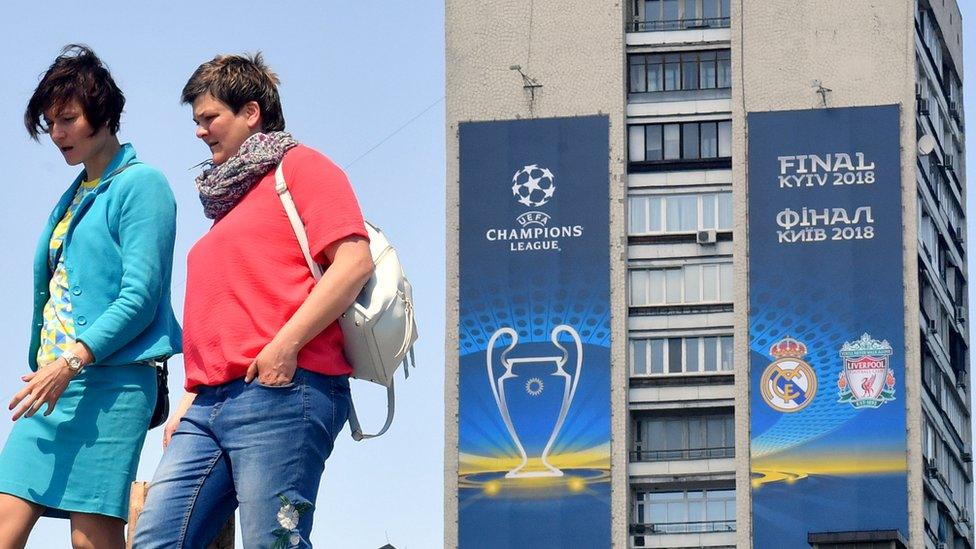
274, 365
43, 386
170, 428
176, 417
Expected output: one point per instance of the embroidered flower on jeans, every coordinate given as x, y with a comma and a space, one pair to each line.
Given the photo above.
288, 516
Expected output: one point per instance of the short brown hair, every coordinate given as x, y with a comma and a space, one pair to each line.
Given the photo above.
76, 74
236, 80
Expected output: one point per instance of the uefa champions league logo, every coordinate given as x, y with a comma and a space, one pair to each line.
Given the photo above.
533, 186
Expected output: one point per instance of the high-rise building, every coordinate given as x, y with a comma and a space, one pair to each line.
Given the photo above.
780, 179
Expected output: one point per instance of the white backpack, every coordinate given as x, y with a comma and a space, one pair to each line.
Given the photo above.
378, 328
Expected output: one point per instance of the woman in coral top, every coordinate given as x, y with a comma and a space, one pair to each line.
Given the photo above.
267, 382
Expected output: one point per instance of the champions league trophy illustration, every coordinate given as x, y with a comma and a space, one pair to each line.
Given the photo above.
533, 396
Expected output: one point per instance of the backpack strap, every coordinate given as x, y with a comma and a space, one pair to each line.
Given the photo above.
408, 361
356, 429
296, 221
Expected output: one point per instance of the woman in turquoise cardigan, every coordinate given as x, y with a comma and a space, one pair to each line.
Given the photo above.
102, 318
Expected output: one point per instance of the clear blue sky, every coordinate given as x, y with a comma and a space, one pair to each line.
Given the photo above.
352, 73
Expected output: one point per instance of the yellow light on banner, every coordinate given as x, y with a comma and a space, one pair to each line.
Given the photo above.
493, 488
576, 484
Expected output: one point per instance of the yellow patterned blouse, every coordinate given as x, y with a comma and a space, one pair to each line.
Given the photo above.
59, 327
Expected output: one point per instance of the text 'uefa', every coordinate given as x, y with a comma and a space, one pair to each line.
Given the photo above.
820, 224
813, 170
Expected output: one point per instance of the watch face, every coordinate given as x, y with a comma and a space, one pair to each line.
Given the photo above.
74, 362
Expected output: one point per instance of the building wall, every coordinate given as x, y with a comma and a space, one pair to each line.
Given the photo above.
950, 21
864, 52
945, 403
575, 51
676, 395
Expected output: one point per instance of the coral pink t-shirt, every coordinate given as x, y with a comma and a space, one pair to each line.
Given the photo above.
247, 276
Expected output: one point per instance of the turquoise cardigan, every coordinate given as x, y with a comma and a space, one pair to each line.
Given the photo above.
118, 254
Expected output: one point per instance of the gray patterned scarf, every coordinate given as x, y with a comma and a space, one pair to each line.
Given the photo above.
221, 187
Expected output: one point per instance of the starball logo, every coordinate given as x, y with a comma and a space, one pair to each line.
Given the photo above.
533, 187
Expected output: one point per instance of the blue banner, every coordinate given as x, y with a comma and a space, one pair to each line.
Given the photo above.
826, 324
534, 334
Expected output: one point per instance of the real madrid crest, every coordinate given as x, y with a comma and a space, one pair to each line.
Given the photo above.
788, 384
866, 380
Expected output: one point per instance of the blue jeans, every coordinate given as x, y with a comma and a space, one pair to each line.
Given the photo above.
261, 448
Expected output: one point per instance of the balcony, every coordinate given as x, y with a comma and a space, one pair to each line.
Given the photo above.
695, 527
689, 99
700, 444
679, 24
716, 533
680, 455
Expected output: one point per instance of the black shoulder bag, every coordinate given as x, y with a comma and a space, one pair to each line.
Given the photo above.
161, 410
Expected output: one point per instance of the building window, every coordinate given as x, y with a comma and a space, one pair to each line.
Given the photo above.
684, 285
680, 141
681, 355
684, 512
693, 70
680, 213
927, 232
684, 437
929, 440
931, 38
661, 15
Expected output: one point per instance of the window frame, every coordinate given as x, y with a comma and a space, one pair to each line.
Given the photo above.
646, 349
697, 431
675, 152
720, 60
643, 206
645, 502
724, 284
654, 11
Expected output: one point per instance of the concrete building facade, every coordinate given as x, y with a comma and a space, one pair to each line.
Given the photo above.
676, 79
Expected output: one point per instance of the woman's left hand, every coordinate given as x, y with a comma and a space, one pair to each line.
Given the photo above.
274, 365
43, 386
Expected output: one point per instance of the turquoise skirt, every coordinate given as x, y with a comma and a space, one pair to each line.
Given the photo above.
83, 457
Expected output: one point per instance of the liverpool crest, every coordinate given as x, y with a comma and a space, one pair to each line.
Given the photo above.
866, 380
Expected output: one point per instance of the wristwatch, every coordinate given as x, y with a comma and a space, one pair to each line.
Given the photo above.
74, 361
